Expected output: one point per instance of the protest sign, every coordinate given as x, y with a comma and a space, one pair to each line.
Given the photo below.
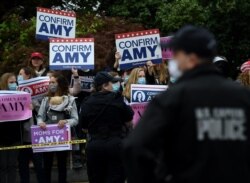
138, 109
55, 23
37, 87
68, 53
52, 134
86, 83
15, 106
166, 52
145, 93
136, 48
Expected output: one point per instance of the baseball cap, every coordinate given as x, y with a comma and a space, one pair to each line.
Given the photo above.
245, 67
219, 59
37, 54
103, 77
192, 39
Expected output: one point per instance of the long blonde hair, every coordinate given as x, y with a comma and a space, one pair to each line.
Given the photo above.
133, 78
162, 73
4, 80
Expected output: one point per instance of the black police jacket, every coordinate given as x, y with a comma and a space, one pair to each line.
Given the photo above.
196, 132
104, 114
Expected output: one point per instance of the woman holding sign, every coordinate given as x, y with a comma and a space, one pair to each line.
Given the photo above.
137, 76
57, 108
10, 135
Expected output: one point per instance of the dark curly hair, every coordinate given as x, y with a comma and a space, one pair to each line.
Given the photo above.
63, 85
29, 71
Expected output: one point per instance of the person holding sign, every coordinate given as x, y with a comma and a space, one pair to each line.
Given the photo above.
57, 108
137, 76
197, 131
76, 88
105, 116
25, 155
10, 135
37, 63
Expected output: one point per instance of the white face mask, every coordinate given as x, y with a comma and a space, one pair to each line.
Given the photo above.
174, 71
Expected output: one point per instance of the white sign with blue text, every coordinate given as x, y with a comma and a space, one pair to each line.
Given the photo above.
136, 48
86, 83
68, 53
55, 23
145, 93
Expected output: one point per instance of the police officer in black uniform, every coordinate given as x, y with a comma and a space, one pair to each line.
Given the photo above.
198, 130
107, 118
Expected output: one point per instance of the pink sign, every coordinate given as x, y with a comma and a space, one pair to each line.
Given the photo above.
52, 139
138, 109
15, 106
166, 53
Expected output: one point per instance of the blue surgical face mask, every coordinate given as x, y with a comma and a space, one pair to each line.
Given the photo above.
116, 87
20, 78
126, 78
12, 86
141, 81
174, 71
172, 79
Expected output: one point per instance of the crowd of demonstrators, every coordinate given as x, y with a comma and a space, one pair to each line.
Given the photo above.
198, 130
198, 84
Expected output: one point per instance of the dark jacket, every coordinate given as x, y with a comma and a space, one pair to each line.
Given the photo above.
105, 113
196, 132
11, 133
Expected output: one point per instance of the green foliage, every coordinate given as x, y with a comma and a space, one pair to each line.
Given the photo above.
138, 10
172, 16
88, 24
227, 19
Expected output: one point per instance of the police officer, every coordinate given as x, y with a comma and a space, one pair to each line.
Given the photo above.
106, 117
198, 130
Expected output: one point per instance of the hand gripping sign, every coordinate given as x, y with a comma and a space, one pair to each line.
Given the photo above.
37, 87
54, 135
15, 106
55, 23
136, 48
86, 83
68, 53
